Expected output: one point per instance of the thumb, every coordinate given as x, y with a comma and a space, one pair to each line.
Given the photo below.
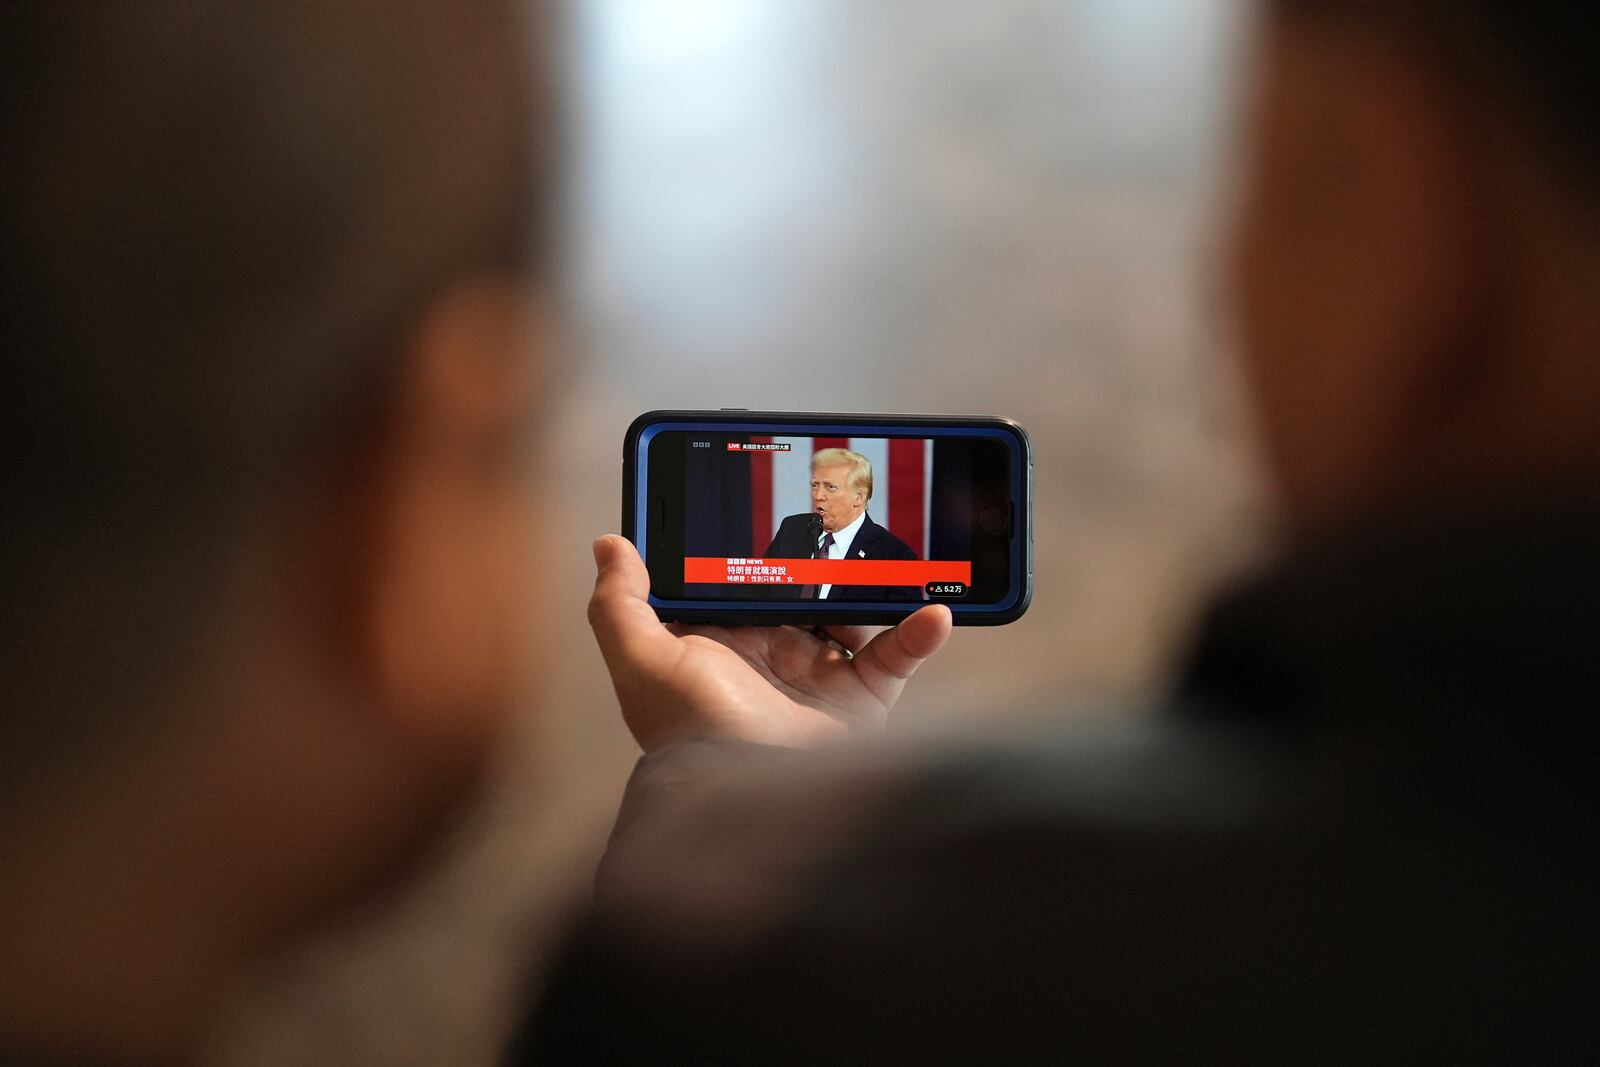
624, 624
618, 569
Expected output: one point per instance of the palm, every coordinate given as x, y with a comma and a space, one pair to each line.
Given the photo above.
775, 683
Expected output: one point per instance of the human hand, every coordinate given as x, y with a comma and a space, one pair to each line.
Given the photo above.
773, 685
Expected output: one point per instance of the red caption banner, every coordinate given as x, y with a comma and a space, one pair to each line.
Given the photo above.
703, 570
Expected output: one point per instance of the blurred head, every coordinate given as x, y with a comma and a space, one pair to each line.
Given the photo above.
841, 485
271, 357
1419, 249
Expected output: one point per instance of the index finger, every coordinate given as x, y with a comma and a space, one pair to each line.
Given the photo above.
886, 661
854, 638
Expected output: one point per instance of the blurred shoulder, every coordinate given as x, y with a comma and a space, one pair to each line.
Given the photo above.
719, 840
917, 881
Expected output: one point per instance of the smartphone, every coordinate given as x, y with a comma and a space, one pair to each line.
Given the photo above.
766, 518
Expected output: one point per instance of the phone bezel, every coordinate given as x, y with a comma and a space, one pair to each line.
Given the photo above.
739, 613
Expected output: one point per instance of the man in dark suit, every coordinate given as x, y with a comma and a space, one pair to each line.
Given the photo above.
1357, 829
838, 527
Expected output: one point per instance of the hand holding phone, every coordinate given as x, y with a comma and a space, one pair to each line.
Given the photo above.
774, 685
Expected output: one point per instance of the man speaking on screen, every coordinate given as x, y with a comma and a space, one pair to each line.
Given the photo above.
838, 527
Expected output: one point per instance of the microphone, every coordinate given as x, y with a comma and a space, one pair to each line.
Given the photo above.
814, 528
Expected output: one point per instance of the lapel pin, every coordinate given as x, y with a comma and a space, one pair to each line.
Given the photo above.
861, 552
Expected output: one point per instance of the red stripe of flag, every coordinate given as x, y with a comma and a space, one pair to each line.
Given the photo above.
905, 491
760, 497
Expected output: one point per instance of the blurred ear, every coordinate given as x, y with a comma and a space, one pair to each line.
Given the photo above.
447, 539
1356, 256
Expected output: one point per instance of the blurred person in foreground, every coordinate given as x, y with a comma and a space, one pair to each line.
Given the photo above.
1356, 828
271, 343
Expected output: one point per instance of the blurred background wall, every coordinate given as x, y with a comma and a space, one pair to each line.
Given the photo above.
1006, 206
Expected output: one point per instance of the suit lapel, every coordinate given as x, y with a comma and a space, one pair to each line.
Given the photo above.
862, 541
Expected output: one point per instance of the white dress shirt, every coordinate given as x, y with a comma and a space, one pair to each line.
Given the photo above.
841, 544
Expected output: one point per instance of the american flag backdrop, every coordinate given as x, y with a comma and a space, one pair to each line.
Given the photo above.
902, 485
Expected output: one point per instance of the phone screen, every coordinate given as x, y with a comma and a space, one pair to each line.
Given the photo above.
763, 519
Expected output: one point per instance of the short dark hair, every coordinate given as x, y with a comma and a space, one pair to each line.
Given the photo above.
217, 219
1540, 56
